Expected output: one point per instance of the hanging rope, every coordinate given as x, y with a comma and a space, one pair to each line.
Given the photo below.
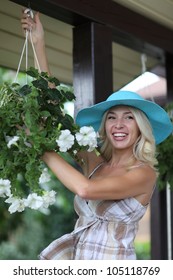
143, 71
25, 49
143, 62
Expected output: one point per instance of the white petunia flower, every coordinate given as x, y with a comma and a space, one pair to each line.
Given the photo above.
65, 140
11, 141
34, 201
87, 137
5, 186
48, 198
17, 204
45, 176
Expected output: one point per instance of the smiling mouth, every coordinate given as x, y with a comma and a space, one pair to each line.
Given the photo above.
119, 134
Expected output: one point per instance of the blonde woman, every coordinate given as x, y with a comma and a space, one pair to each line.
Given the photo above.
115, 188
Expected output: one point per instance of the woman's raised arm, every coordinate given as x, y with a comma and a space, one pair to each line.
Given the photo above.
35, 26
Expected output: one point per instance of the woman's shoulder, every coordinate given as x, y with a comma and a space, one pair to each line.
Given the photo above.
144, 172
147, 176
141, 166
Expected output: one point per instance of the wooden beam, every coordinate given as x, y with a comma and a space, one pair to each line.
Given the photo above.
169, 76
92, 64
159, 204
129, 28
158, 225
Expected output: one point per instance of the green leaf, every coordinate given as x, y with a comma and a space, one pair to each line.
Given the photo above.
54, 80
26, 89
40, 83
33, 72
45, 114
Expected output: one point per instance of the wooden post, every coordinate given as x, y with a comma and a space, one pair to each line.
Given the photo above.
158, 226
159, 219
169, 78
92, 64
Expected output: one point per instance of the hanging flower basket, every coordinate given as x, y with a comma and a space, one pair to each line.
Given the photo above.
32, 121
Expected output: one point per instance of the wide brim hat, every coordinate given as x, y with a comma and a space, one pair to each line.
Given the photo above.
157, 116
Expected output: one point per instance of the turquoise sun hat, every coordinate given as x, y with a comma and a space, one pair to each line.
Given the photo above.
157, 116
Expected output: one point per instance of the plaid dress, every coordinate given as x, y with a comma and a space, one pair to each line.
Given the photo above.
105, 230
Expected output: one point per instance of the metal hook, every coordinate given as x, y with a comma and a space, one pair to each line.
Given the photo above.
29, 12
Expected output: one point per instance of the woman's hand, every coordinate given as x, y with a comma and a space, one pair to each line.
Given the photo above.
37, 32
34, 24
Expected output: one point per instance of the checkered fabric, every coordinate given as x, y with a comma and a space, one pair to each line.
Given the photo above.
105, 230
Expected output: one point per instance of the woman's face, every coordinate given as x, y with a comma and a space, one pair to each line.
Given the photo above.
121, 127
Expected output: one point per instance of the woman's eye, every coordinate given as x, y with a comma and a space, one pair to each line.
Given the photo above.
129, 117
111, 117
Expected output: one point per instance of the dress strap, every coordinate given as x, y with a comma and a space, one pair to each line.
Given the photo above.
137, 165
95, 169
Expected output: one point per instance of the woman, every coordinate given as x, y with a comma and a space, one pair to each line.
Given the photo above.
115, 188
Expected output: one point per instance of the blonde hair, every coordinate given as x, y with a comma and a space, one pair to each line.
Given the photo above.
144, 148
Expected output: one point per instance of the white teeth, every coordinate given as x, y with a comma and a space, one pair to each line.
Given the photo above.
119, 134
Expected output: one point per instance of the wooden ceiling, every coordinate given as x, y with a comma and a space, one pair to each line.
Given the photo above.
157, 10
126, 57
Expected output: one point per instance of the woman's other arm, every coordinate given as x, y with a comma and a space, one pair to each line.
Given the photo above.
131, 184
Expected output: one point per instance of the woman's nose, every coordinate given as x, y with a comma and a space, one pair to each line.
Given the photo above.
119, 124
